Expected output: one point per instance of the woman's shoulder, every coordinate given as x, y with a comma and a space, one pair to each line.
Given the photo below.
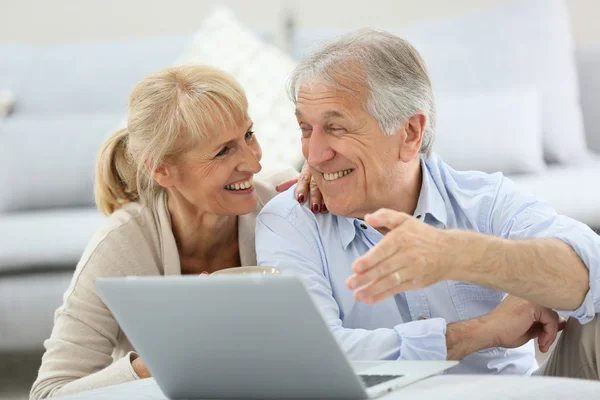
126, 237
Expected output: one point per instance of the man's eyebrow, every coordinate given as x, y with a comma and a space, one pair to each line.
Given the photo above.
325, 114
332, 114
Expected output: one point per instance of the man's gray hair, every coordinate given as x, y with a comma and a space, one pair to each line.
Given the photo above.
389, 68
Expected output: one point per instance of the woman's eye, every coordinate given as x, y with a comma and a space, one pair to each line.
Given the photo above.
223, 152
249, 135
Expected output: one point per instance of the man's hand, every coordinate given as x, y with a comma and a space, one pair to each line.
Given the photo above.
412, 255
511, 324
140, 368
306, 185
515, 322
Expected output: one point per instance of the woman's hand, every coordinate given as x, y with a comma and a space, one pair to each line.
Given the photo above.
140, 368
306, 184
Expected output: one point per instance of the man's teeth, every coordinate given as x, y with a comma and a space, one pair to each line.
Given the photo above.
240, 186
336, 175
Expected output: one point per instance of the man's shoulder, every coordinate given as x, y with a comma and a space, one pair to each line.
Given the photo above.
471, 183
283, 205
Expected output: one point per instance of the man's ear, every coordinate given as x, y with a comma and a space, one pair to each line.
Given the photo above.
163, 174
412, 134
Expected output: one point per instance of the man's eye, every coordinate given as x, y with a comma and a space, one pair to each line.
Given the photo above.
305, 131
223, 152
249, 135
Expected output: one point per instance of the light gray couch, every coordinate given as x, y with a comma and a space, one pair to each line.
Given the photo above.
68, 98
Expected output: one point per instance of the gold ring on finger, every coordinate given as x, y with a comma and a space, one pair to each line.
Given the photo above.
398, 277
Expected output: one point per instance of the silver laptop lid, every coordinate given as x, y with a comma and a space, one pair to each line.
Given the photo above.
231, 336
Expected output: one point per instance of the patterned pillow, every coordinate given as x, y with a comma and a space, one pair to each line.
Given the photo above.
262, 69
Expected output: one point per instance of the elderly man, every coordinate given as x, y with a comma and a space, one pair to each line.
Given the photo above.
426, 276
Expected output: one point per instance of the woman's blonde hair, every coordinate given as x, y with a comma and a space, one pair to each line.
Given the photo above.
170, 111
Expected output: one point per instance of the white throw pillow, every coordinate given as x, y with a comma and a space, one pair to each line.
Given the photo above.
524, 43
490, 131
262, 70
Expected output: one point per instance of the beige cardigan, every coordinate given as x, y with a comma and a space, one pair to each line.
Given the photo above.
87, 349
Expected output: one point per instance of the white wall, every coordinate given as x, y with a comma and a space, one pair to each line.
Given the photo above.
44, 21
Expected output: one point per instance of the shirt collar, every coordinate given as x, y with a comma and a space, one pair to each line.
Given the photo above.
430, 204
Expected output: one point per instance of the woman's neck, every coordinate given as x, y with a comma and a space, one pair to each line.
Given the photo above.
204, 240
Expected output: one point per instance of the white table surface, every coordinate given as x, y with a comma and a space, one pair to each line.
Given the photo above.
460, 387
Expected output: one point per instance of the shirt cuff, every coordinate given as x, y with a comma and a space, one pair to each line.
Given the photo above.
423, 340
585, 312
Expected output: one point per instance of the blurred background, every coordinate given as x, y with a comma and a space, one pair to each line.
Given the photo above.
517, 87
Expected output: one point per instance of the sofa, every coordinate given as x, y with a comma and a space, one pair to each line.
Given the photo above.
69, 97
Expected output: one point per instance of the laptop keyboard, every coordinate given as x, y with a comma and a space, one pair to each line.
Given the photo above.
372, 380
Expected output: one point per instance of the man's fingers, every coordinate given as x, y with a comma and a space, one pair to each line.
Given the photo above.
386, 218
546, 339
403, 287
387, 247
562, 323
392, 282
392, 265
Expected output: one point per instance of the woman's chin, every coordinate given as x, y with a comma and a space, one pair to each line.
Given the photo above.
241, 207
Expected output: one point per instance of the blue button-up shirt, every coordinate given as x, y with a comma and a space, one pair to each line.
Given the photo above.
412, 325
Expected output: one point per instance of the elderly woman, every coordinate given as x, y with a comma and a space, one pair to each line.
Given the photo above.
179, 187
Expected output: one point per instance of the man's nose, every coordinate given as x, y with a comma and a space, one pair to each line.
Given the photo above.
319, 149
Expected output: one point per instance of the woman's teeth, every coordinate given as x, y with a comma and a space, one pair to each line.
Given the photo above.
240, 186
337, 175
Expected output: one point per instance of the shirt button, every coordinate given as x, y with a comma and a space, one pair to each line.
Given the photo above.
363, 226
419, 216
421, 318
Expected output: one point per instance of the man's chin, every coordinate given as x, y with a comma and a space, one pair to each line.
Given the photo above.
338, 208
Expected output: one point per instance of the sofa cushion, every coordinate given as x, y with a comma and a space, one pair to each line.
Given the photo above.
262, 70
524, 43
588, 67
46, 240
490, 131
49, 161
82, 77
27, 305
574, 192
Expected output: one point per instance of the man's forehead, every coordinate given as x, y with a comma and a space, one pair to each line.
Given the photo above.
327, 101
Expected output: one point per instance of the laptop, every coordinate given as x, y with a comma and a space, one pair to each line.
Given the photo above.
244, 336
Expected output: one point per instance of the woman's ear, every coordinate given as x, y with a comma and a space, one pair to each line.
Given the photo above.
163, 174
413, 129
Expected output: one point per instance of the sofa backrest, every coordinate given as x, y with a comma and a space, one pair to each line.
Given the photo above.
68, 99
91, 77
